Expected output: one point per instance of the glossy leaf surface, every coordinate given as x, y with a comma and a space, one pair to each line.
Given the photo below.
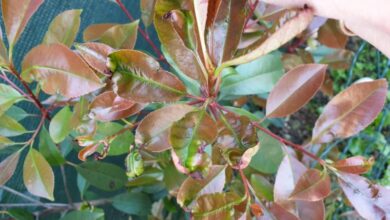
9, 127
8, 97
135, 203
49, 149
295, 89
96, 55
313, 185
60, 127
354, 165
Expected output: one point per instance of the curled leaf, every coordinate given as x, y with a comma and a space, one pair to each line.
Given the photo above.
134, 164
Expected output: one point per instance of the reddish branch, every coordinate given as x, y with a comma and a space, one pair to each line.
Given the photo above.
142, 32
250, 14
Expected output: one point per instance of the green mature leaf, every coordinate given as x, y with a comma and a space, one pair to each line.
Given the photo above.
83, 215
191, 133
16, 15
262, 187
256, 77
211, 204
139, 77
17, 113
4, 142
82, 185
8, 166
243, 112
282, 32
3, 51
121, 143
60, 126
103, 175
134, 203
63, 29
8, 97
167, 28
49, 149
38, 177
269, 156
153, 131
191, 188
20, 214
295, 89
59, 71
147, 11
118, 36
344, 116
9, 127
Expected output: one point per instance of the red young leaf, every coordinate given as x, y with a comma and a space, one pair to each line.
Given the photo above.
313, 185
331, 35
355, 165
350, 111
8, 166
295, 89
96, 55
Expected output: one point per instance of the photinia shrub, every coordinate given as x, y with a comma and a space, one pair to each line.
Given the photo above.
184, 142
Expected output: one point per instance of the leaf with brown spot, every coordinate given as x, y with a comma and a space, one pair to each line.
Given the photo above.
355, 165
313, 185
331, 35
295, 89
153, 131
16, 15
64, 28
59, 70
96, 55
350, 111
139, 77
110, 107
8, 166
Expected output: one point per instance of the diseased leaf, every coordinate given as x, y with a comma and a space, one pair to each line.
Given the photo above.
186, 59
110, 107
134, 203
190, 135
139, 77
279, 35
8, 166
102, 175
59, 70
9, 127
147, 11
313, 185
96, 55
355, 165
16, 15
350, 111
118, 36
153, 131
295, 89
64, 28
371, 201
38, 177
60, 127
331, 35
49, 149
256, 77
8, 97
212, 204
191, 189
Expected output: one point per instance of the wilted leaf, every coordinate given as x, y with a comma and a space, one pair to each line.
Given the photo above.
139, 77
118, 36
279, 35
186, 59
153, 131
355, 165
147, 11
295, 89
134, 203
110, 107
8, 97
9, 127
371, 201
96, 55
262, 187
331, 35
64, 28
59, 70
190, 135
87, 151
313, 185
102, 175
191, 188
8, 166
49, 149
16, 15
350, 111
38, 176
212, 204
256, 77
60, 125
269, 156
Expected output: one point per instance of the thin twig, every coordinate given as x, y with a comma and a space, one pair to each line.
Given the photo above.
63, 174
34, 201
